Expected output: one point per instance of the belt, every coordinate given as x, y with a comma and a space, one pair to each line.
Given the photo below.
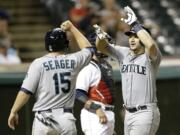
106, 107
109, 108
68, 110
134, 109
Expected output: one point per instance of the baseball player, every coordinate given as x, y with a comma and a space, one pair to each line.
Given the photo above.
95, 88
51, 79
139, 65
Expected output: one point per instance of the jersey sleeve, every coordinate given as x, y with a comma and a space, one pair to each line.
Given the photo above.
84, 79
88, 77
117, 52
83, 57
32, 78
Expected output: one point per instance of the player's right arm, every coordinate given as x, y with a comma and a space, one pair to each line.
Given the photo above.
115, 51
30, 83
79, 37
21, 99
102, 45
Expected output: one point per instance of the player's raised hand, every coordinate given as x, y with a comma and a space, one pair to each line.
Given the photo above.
102, 116
13, 120
66, 26
99, 32
131, 16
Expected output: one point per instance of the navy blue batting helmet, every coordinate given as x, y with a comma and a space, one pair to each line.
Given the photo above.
56, 40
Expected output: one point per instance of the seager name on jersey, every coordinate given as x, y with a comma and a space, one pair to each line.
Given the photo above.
134, 68
59, 64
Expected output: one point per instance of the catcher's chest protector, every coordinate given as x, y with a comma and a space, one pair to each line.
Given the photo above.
104, 91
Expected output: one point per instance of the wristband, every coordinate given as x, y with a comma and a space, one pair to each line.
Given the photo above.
92, 49
136, 26
94, 106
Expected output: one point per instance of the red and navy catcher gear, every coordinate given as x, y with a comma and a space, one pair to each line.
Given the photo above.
56, 40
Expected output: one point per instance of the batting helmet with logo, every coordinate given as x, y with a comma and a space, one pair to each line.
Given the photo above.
56, 40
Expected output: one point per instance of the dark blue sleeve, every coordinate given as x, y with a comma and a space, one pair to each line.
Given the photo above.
81, 95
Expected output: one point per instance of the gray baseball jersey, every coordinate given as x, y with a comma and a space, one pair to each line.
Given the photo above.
138, 75
52, 79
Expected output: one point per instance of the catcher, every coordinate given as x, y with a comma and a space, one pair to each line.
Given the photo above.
95, 88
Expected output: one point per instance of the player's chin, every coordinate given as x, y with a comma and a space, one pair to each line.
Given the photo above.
133, 47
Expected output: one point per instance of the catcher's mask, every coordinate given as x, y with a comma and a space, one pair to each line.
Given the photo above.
132, 32
92, 40
56, 40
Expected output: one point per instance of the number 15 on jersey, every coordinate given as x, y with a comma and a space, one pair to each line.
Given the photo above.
62, 82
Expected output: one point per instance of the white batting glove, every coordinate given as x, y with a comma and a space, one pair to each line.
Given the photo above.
131, 17
99, 32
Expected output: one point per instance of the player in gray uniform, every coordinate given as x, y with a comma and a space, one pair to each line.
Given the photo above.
52, 79
139, 64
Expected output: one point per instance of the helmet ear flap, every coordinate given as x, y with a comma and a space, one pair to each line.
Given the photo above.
67, 43
48, 41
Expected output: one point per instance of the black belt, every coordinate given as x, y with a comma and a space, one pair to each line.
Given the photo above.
134, 109
109, 108
68, 110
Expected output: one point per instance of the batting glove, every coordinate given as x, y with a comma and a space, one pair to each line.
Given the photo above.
131, 17
100, 33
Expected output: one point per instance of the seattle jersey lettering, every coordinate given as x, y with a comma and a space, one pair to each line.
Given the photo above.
134, 68
59, 64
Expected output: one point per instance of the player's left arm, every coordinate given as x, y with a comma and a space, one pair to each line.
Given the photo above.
150, 45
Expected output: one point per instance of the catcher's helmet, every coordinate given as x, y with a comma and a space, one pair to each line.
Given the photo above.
92, 40
56, 40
